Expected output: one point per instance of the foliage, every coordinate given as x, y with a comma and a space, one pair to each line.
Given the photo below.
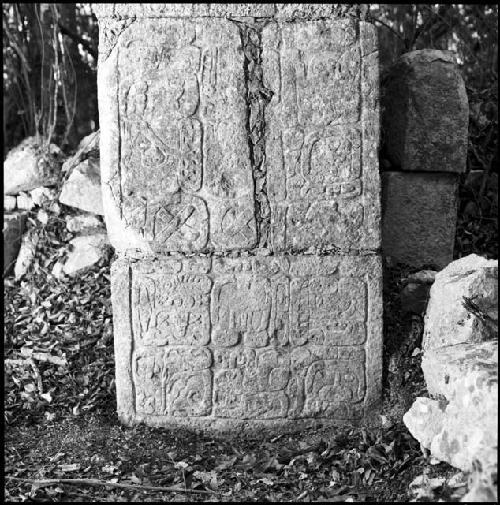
42, 68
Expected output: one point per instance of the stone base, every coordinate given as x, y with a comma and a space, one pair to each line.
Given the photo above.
224, 343
419, 216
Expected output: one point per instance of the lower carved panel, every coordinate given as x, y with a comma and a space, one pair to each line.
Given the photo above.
247, 339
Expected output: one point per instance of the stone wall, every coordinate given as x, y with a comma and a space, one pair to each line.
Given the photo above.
424, 120
239, 166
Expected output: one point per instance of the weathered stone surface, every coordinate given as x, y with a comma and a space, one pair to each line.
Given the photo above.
257, 341
9, 203
83, 188
426, 113
87, 148
24, 202
447, 321
175, 157
26, 253
463, 427
445, 367
419, 214
41, 196
13, 228
27, 166
224, 10
322, 134
86, 251
76, 224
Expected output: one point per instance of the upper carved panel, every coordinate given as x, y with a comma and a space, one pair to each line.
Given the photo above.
182, 177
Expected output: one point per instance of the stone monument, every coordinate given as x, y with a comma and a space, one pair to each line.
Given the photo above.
241, 193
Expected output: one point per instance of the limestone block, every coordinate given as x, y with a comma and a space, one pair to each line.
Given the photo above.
27, 252
447, 321
28, 166
9, 203
228, 343
13, 228
24, 201
426, 113
445, 367
175, 155
86, 251
82, 189
41, 196
322, 134
83, 222
419, 215
463, 427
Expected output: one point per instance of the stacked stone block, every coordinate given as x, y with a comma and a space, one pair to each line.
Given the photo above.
241, 192
425, 120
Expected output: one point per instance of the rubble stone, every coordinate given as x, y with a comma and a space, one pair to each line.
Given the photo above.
26, 253
24, 202
27, 167
77, 224
86, 251
9, 203
463, 426
41, 196
447, 321
83, 188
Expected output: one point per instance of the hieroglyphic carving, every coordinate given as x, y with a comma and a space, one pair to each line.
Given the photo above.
316, 183
251, 338
184, 179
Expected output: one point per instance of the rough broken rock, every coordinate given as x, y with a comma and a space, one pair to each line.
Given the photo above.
13, 228
24, 202
27, 167
426, 113
9, 203
87, 148
86, 251
83, 222
447, 321
41, 196
83, 188
249, 131
27, 252
463, 426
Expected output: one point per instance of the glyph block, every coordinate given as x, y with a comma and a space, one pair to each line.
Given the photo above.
322, 134
234, 342
175, 158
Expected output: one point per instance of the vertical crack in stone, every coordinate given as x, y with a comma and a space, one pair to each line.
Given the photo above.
257, 98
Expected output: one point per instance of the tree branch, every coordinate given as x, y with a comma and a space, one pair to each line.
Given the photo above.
98, 483
85, 43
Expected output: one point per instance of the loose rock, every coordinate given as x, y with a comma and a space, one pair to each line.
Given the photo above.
87, 251
447, 321
29, 166
83, 188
